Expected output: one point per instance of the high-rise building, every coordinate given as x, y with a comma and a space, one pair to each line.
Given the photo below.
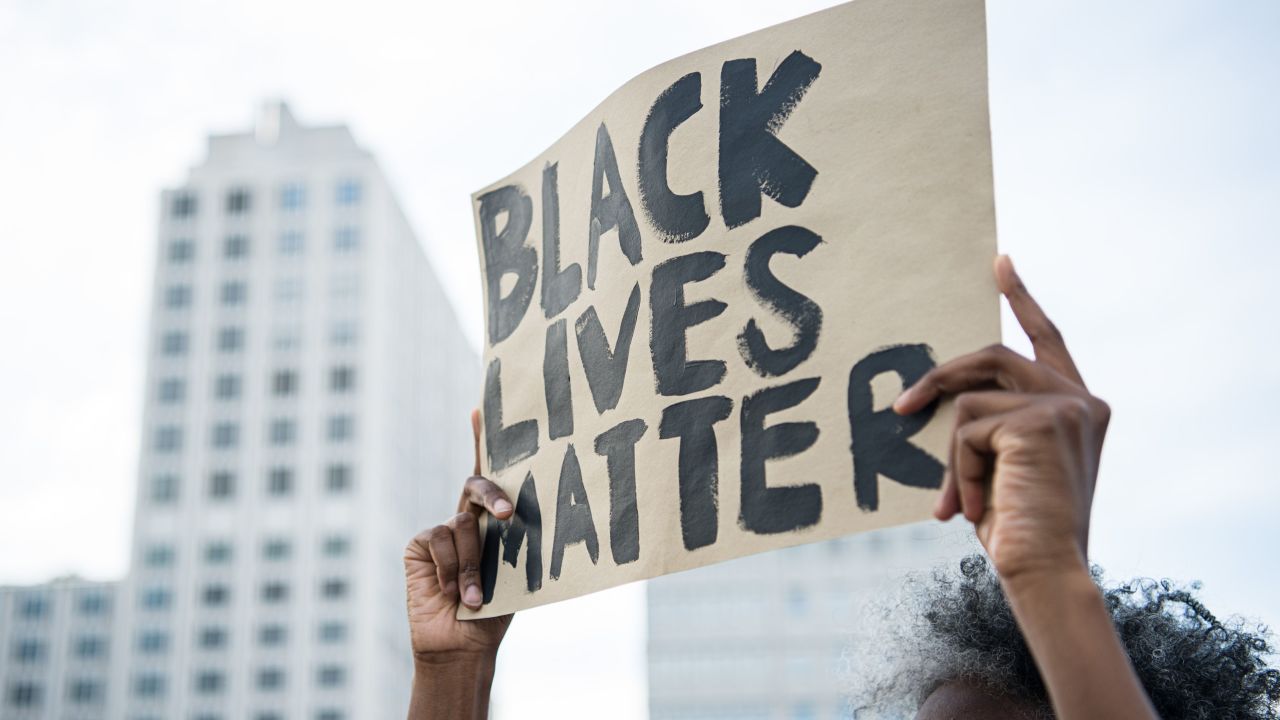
306, 413
769, 636
56, 650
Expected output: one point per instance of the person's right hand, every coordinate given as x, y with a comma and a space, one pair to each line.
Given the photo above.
442, 569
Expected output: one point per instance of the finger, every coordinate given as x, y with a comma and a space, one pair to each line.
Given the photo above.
466, 538
440, 542
971, 406
1046, 340
475, 437
974, 463
479, 494
995, 365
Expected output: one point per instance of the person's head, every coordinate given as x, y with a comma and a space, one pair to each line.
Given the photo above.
961, 655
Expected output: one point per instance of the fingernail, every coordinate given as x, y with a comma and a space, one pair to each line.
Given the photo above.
502, 506
471, 596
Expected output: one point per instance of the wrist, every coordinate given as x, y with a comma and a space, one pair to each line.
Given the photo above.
1035, 583
455, 661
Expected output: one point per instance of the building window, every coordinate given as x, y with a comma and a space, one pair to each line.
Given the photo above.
272, 635
156, 598
182, 205
215, 595
25, 695
222, 485
333, 589
330, 714
270, 679
164, 489
284, 383
173, 343
276, 549
280, 481
239, 201
346, 239
337, 478
209, 682
28, 651
342, 378
336, 546
348, 192
83, 692
33, 607
343, 333
293, 197
213, 638
168, 439
275, 592
233, 293
226, 435
90, 647
181, 251
92, 604
341, 428
149, 685
268, 715
344, 288
291, 243
331, 675
217, 552
282, 431
158, 556
332, 633
286, 338
177, 296
153, 642
226, 387
230, 339
235, 247
288, 290
172, 391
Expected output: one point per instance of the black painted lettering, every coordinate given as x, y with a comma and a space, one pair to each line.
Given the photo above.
574, 523
674, 372
555, 381
676, 217
880, 437
605, 368
752, 158
505, 445
506, 253
699, 465
559, 287
510, 535
618, 446
768, 510
801, 313
609, 211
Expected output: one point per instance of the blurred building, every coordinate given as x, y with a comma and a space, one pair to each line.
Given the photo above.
765, 637
56, 650
306, 413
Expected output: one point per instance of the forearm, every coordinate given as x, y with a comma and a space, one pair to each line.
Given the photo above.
1085, 668
452, 689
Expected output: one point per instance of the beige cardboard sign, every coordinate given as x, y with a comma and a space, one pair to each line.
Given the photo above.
701, 301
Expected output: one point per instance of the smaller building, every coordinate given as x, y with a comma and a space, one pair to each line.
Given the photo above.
56, 649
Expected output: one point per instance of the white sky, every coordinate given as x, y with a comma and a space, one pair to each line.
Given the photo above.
1138, 187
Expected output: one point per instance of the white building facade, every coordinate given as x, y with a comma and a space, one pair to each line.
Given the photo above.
56, 650
306, 414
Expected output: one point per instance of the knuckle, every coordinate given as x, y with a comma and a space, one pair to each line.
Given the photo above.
1044, 330
439, 533
469, 568
464, 521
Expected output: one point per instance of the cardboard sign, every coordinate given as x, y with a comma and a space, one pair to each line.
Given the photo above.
702, 300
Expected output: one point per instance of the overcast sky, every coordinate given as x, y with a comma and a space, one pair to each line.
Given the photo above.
1137, 165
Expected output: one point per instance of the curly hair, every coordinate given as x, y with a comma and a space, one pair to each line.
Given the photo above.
1193, 665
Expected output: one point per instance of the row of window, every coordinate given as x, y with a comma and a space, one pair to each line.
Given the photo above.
80, 691
280, 432
217, 637
291, 197
36, 607
345, 239
282, 383
211, 682
280, 482
34, 650
217, 595
231, 339
287, 291
158, 556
